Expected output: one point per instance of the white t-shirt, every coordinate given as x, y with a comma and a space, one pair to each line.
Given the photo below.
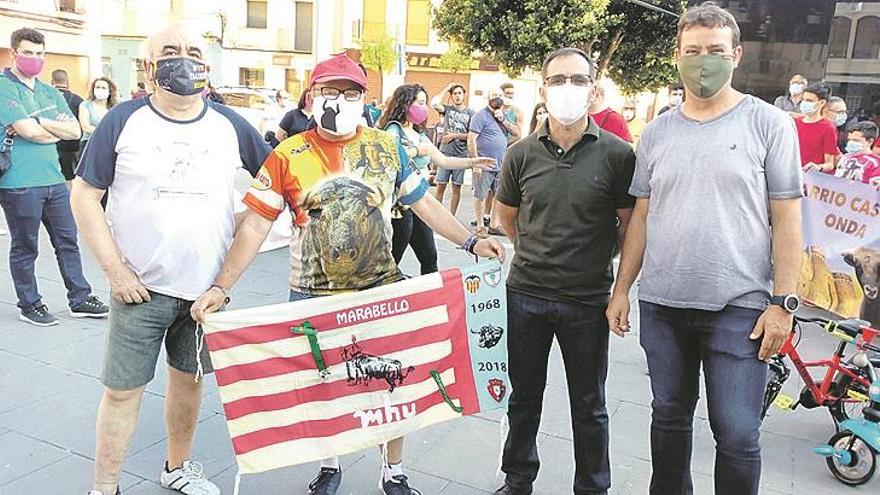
171, 190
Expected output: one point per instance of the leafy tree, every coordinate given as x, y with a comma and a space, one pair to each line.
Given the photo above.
631, 44
455, 60
379, 55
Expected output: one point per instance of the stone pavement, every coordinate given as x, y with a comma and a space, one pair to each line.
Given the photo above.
49, 394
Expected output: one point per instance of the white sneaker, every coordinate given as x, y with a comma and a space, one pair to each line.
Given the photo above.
188, 479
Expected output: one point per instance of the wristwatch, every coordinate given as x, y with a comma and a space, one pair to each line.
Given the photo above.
789, 302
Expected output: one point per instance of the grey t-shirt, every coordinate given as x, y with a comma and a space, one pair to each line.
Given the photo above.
710, 185
456, 121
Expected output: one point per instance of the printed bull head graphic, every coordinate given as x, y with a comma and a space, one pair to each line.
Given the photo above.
490, 335
346, 225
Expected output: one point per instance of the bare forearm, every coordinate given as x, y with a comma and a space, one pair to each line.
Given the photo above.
472, 146
440, 219
787, 244
32, 131
634, 241
452, 163
68, 130
513, 129
248, 238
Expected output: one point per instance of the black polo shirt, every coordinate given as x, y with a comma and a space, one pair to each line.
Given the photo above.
567, 220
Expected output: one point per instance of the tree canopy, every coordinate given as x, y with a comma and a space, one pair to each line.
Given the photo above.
631, 44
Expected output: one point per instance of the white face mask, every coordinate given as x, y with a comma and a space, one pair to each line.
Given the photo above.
809, 107
796, 89
102, 94
338, 117
568, 103
507, 101
675, 100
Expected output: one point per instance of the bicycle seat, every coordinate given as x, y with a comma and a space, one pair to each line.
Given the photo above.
851, 326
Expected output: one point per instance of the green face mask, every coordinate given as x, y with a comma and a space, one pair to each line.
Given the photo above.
705, 75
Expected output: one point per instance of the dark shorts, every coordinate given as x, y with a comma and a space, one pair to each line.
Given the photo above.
68, 160
136, 334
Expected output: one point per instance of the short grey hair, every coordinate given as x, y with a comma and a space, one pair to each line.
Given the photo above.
566, 52
836, 99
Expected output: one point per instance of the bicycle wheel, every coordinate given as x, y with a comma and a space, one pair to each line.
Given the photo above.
861, 467
853, 397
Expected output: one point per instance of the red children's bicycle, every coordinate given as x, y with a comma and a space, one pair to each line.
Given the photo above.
843, 387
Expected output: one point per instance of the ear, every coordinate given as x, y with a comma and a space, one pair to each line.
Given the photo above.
849, 257
737, 55
148, 66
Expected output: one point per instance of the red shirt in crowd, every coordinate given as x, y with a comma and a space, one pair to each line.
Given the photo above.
816, 140
614, 123
864, 167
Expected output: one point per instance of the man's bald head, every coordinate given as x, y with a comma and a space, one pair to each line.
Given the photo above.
175, 41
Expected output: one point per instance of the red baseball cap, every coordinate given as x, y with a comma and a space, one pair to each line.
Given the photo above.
339, 67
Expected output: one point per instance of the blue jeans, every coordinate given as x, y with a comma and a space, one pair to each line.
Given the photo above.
676, 342
582, 333
25, 209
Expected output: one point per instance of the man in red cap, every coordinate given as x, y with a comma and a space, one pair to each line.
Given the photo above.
340, 181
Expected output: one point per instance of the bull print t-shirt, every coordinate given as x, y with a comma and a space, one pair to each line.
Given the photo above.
340, 195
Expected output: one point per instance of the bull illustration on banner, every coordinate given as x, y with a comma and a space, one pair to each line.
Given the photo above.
840, 262
317, 378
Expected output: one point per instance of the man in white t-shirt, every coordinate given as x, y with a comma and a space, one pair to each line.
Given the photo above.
169, 162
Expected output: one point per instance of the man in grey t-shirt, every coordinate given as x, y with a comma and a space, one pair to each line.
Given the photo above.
712, 176
453, 140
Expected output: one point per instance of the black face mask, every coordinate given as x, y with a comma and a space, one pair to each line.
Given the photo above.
496, 103
181, 76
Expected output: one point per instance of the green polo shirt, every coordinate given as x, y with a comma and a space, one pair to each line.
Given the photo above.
567, 219
33, 164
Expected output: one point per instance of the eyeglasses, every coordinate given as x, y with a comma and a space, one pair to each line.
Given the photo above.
576, 79
351, 94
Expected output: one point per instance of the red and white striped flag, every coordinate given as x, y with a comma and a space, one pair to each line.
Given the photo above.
381, 363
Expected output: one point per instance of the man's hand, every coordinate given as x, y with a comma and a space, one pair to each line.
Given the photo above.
212, 300
499, 114
478, 173
126, 287
772, 328
489, 248
63, 117
447, 138
618, 314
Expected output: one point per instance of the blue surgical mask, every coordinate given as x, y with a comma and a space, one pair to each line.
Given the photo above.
840, 119
809, 107
854, 146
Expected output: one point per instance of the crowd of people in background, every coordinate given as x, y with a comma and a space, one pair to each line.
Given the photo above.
831, 139
567, 182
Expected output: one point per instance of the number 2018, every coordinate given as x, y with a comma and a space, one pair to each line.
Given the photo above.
492, 366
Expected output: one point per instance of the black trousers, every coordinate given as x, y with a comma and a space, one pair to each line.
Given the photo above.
410, 230
582, 333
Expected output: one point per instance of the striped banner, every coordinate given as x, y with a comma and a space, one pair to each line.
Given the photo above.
322, 377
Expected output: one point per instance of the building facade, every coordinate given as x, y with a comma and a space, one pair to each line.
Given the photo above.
71, 41
824, 40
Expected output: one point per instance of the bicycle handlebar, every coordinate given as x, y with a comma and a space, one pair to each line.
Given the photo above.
847, 330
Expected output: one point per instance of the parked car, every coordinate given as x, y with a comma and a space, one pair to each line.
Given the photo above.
256, 105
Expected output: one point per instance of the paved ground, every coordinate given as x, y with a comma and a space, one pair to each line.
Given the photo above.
49, 394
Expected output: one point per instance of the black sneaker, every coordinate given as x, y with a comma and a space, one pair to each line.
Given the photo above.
92, 307
326, 483
39, 316
509, 490
494, 231
398, 485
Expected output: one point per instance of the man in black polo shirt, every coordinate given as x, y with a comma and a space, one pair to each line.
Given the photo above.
562, 191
